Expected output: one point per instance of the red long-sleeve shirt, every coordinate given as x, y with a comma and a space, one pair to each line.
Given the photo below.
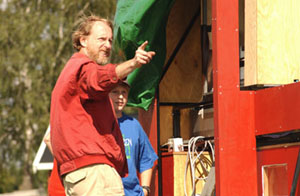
84, 129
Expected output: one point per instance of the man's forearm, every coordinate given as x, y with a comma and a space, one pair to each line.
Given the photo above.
124, 69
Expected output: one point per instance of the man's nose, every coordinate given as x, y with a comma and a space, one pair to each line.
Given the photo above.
108, 44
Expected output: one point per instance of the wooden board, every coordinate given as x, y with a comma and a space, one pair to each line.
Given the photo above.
183, 81
250, 43
272, 54
275, 179
166, 123
174, 164
204, 123
186, 126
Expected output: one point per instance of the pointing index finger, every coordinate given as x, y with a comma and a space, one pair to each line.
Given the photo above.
143, 46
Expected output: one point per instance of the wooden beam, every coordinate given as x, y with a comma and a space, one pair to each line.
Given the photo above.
236, 172
277, 109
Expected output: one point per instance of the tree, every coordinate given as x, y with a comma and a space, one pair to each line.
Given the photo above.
35, 44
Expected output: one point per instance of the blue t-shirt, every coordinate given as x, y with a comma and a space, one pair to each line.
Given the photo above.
139, 153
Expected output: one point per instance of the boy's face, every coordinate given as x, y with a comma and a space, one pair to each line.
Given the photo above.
119, 97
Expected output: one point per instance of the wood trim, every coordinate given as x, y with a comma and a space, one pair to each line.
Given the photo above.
250, 42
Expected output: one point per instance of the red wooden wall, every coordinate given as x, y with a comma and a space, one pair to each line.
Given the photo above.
241, 115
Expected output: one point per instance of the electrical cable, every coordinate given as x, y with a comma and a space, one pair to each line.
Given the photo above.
194, 157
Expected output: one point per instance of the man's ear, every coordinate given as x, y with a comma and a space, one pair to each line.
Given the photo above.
83, 41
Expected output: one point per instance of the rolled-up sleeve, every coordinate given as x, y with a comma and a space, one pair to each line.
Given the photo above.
95, 80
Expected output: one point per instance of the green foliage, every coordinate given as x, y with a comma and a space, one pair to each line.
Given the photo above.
9, 179
35, 44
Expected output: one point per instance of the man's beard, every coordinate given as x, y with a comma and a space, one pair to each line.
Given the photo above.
98, 57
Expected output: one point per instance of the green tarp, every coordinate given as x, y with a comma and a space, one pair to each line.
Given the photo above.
135, 22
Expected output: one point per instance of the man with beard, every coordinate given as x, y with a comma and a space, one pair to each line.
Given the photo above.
85, 136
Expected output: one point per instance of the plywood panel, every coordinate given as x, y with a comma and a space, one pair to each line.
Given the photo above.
183, 81
275, 180
277, 42
186, 128
178, 171
250, 43
204, 123
166, 123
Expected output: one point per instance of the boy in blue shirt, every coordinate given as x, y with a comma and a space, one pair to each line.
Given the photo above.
139, 152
